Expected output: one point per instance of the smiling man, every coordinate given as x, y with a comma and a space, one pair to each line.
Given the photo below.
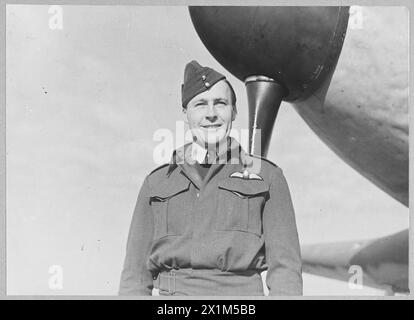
210, 221
210, 109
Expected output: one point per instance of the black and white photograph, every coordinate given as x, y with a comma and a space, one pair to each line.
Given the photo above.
207, 151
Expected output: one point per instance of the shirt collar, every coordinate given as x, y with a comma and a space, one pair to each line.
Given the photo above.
198, 153
192, 152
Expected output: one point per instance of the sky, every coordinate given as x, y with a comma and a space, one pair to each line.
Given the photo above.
83, 105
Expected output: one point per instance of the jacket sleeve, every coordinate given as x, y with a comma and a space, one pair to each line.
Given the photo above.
284, 274
136, 279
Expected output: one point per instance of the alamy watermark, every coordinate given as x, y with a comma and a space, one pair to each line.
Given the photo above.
56, 277
356, 280
169, 140
56, 17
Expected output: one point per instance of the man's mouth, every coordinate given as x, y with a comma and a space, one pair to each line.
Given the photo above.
211, 126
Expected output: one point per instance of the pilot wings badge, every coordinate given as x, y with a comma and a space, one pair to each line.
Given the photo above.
246, 175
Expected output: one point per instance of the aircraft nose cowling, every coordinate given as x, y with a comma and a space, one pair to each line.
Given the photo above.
281, 53
295, 46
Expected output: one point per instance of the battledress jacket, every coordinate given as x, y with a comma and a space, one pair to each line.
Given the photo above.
239, 218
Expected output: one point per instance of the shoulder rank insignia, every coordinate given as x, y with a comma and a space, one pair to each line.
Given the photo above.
246, 175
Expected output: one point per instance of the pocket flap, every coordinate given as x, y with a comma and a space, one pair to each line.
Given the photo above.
248, 188
168, 189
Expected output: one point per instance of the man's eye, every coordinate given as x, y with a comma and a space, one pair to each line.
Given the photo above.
221, 103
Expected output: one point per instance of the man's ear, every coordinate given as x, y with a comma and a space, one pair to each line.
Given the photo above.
234, 113
185, 114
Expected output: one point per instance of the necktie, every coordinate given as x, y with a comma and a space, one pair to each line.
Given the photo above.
209, 158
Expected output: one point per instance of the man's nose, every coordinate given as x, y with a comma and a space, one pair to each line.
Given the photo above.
211, 113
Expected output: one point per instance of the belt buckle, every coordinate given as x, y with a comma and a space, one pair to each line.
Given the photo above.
171, 275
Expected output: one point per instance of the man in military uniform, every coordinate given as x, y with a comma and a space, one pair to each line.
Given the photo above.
214, 218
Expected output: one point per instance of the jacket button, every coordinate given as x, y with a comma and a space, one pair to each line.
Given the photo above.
198, 194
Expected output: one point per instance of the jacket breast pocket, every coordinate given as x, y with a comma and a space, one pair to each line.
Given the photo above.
240, 205
169, 205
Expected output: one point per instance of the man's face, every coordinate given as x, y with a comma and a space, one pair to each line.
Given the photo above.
210, 114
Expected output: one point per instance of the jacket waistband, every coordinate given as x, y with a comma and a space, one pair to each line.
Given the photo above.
209, 282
